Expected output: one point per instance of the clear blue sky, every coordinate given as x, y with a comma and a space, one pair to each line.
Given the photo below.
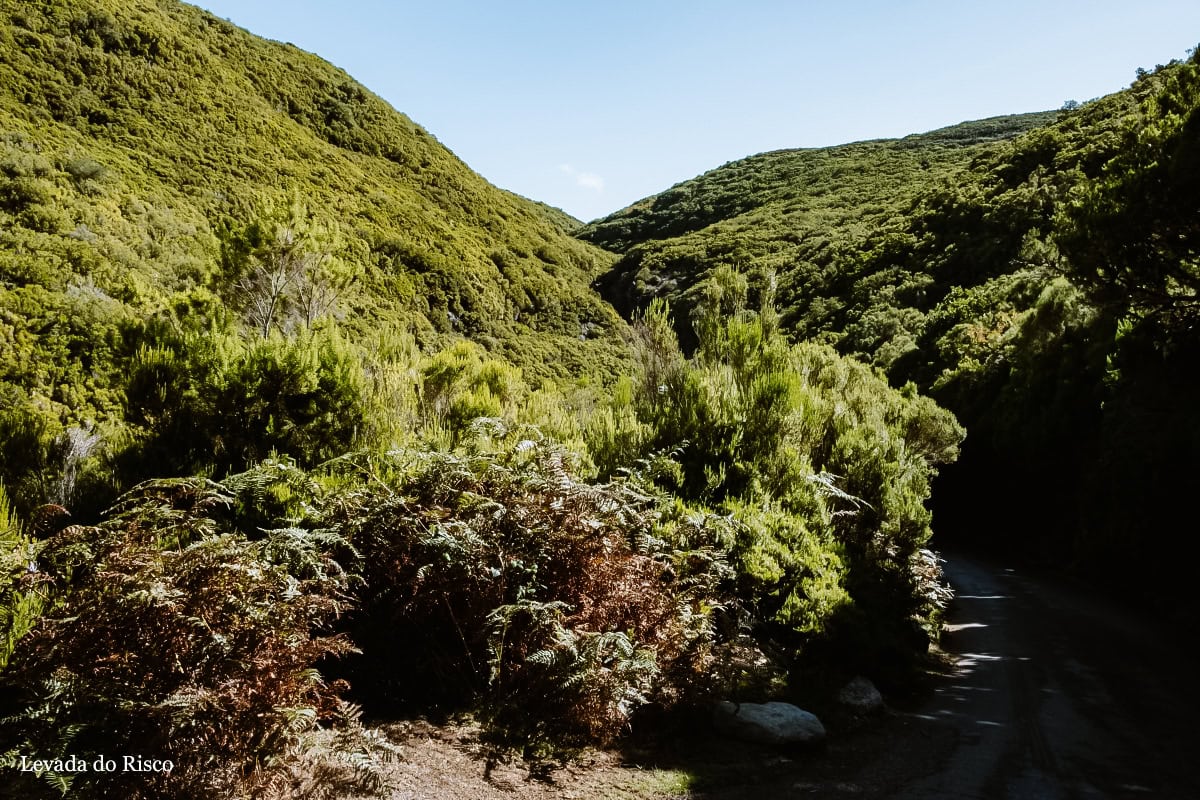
591, 105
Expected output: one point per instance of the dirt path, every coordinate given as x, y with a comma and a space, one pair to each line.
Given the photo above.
1060, 695
1055, 695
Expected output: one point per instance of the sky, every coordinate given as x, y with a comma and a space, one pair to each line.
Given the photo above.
590, 106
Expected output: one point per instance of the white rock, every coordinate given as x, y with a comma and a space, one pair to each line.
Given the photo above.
860, 695
768, 723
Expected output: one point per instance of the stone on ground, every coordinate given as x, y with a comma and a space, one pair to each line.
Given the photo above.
861, 696
768, 723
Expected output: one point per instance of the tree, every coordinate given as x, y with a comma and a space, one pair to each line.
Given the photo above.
1131, 237
284, 269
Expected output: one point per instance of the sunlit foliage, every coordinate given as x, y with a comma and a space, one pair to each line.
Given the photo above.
1037, 275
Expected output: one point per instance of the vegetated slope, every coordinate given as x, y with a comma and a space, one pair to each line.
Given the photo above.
1046, 292
225, 459
796, 212
139, 140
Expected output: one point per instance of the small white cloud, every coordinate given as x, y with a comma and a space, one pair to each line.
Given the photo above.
588, 180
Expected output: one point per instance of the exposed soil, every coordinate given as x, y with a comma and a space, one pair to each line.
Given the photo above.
447, 762
1048, 693
864, 760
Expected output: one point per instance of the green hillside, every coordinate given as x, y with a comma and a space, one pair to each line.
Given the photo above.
301, 420
1036, 275
139, 138
798, 213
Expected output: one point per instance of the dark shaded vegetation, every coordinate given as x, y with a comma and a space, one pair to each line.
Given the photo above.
1043, 286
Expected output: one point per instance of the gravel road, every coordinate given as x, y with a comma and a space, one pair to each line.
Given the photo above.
1060, 695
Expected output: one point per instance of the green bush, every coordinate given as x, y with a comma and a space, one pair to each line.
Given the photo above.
501, 580
24, 593
217, 403
460, 384
826, 467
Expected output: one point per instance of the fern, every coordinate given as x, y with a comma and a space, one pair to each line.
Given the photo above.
504, 559
306, 554
342, 760
24, 588
826, 484
179, 639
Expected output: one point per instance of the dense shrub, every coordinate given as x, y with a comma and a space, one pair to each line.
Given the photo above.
500, 579
44, 461
139, 141
460, 384
824, 465
171, 636
217, 402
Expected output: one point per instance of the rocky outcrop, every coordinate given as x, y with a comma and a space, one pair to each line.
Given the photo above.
768, 723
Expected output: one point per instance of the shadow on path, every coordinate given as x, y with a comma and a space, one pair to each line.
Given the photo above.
1059, 695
